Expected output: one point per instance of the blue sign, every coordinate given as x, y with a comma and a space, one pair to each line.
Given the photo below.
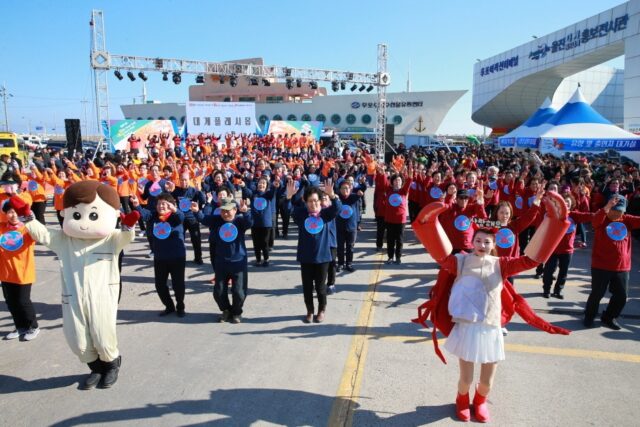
493, 185
519, 202
505, 189
462, 223
313, 225
567, 144
11, 240
527, 142
617, 231
142, 182
58, 190
505, 238
228, 232
507, 142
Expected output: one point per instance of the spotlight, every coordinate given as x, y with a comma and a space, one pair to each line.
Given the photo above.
131, 76
253, 81
118, 74
165, 76
289, 83
142, 76
199, 79
221, 80
287, 72
266, 82
361, 88
354, 87
370, 88
334, 86
343, 85
349, 76
177, 77
233, 80
298, 82
313, 85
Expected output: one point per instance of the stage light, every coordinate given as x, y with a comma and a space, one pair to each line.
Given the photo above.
142, 76
118, 74
349, 76
313, 85
287, 72
354, 87
221, 80
253, 82
370, 88
199, 79
165, 76
334, 86
361, 88
289, 83
299, 82
343, 85
131, 76
233, 80
177, 77
266, 82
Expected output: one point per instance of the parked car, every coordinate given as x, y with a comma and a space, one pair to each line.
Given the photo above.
32, 142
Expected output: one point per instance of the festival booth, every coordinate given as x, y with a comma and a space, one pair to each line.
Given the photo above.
578, 128
526, 135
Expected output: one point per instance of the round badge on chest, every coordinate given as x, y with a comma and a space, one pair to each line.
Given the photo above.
260, 203
617, 231
184, 204
313, 225
228, 232
11, 240
346, 212
462, 223
161, 230
505, 238
395, 200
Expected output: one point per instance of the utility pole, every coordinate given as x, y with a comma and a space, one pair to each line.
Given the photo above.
5, 95
84, 103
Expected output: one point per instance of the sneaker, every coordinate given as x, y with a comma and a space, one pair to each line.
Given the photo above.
339, 268
505, 332
13, 335
350, 268
167, 311
545, 295
265, 264
236, 319
31, 334
150, 254
331, 290
225, 316
142, 234
557, 295
390, 261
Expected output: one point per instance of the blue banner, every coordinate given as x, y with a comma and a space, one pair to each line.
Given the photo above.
567, 144
527, 142
507, 142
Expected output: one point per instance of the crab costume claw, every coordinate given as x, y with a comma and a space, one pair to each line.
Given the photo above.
430, 232
552, 229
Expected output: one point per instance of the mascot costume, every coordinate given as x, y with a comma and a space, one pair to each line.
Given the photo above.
87, 247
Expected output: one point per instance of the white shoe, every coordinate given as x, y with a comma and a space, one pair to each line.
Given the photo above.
142, 234
13, 335
31, 334
505, 332
150, 255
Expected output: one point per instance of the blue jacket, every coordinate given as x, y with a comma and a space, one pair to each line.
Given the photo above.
314, 236
190, 194
167, 238
262, 206
228, 240
349, 215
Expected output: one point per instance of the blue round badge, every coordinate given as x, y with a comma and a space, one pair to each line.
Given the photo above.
228, 232
413, 185
519, 202
395, 200
58, 190
435, 192
346, 212
313, 225
505, 238
462, 223
260, 203
155, 190
132, 181
142, 182
161, 230
296, 184
493, 185
572, 227
120, 181
32, 185
617, 231
11, 241
313, 178
471, 192
184, 204
530, 200
505, 189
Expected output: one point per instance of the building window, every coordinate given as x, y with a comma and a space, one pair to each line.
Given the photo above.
335, 119
263, 119
173, 118
274, 99
397, 119
246, 99
227, 99
351, 119
305, 118
292, 117
277, 117
366, 119
321, 118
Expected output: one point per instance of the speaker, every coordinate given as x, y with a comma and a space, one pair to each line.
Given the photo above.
74, 138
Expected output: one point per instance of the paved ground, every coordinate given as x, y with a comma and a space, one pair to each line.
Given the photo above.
367, 365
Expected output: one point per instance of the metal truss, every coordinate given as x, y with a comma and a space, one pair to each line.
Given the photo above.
381, 108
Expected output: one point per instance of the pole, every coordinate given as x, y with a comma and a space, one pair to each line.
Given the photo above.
84, 103
3, 91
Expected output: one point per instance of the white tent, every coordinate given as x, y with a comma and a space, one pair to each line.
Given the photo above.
526, 135
579, 128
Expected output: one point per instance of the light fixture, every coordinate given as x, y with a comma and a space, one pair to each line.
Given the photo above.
299, 82
361, 88
334, 86
233, 80
165, 76
289, 83
266, 82
287, 72
177, 77
535, 37
131, 76
370, 88
253, 81
343, 85
118, 74
221, 80
199, 79
354, 87
313, 85
142, 76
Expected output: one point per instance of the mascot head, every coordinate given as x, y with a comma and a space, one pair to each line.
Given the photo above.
90, 210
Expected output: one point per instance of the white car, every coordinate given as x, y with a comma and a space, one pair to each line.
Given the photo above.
33, 142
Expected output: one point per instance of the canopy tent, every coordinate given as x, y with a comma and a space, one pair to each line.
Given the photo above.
526, 135
579, 128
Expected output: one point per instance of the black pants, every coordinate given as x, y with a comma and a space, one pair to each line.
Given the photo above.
346, 241
381, 227
238, 290
331, 271
260, 237
395, 234
18, 298
617, 282
60, 218
194, 235
175, 268
314, 276
563, 260
126, 204
283, 209
524, 238
38, 209
414, 210
120, 256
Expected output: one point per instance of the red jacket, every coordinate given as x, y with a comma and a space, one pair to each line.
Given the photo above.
456, 223
612, 242
396, 203
507, 242
566, 244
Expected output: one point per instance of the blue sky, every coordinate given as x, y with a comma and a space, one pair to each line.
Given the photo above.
45, 45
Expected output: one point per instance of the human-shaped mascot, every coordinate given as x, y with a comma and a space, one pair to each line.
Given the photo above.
87, 247
472, 297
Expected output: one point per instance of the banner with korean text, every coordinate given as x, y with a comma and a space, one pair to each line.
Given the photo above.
221, 117
121, 131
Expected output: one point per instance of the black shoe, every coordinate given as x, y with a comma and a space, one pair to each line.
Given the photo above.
198, 261
339, 268
181, 312
537, 276
350, 268
110, 373
557, 295
398, 261
265, 264
390, 261
545, 295
257, 264
94, 377
610, 323
331, 289
225, 316
588, 323
167, 311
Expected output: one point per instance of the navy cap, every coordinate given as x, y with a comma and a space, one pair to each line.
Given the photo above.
621, 205
462, 193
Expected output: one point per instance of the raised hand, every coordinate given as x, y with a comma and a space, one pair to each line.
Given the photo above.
170, 186
328, 188
134, 201
291, 188
194, 207
243, 206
